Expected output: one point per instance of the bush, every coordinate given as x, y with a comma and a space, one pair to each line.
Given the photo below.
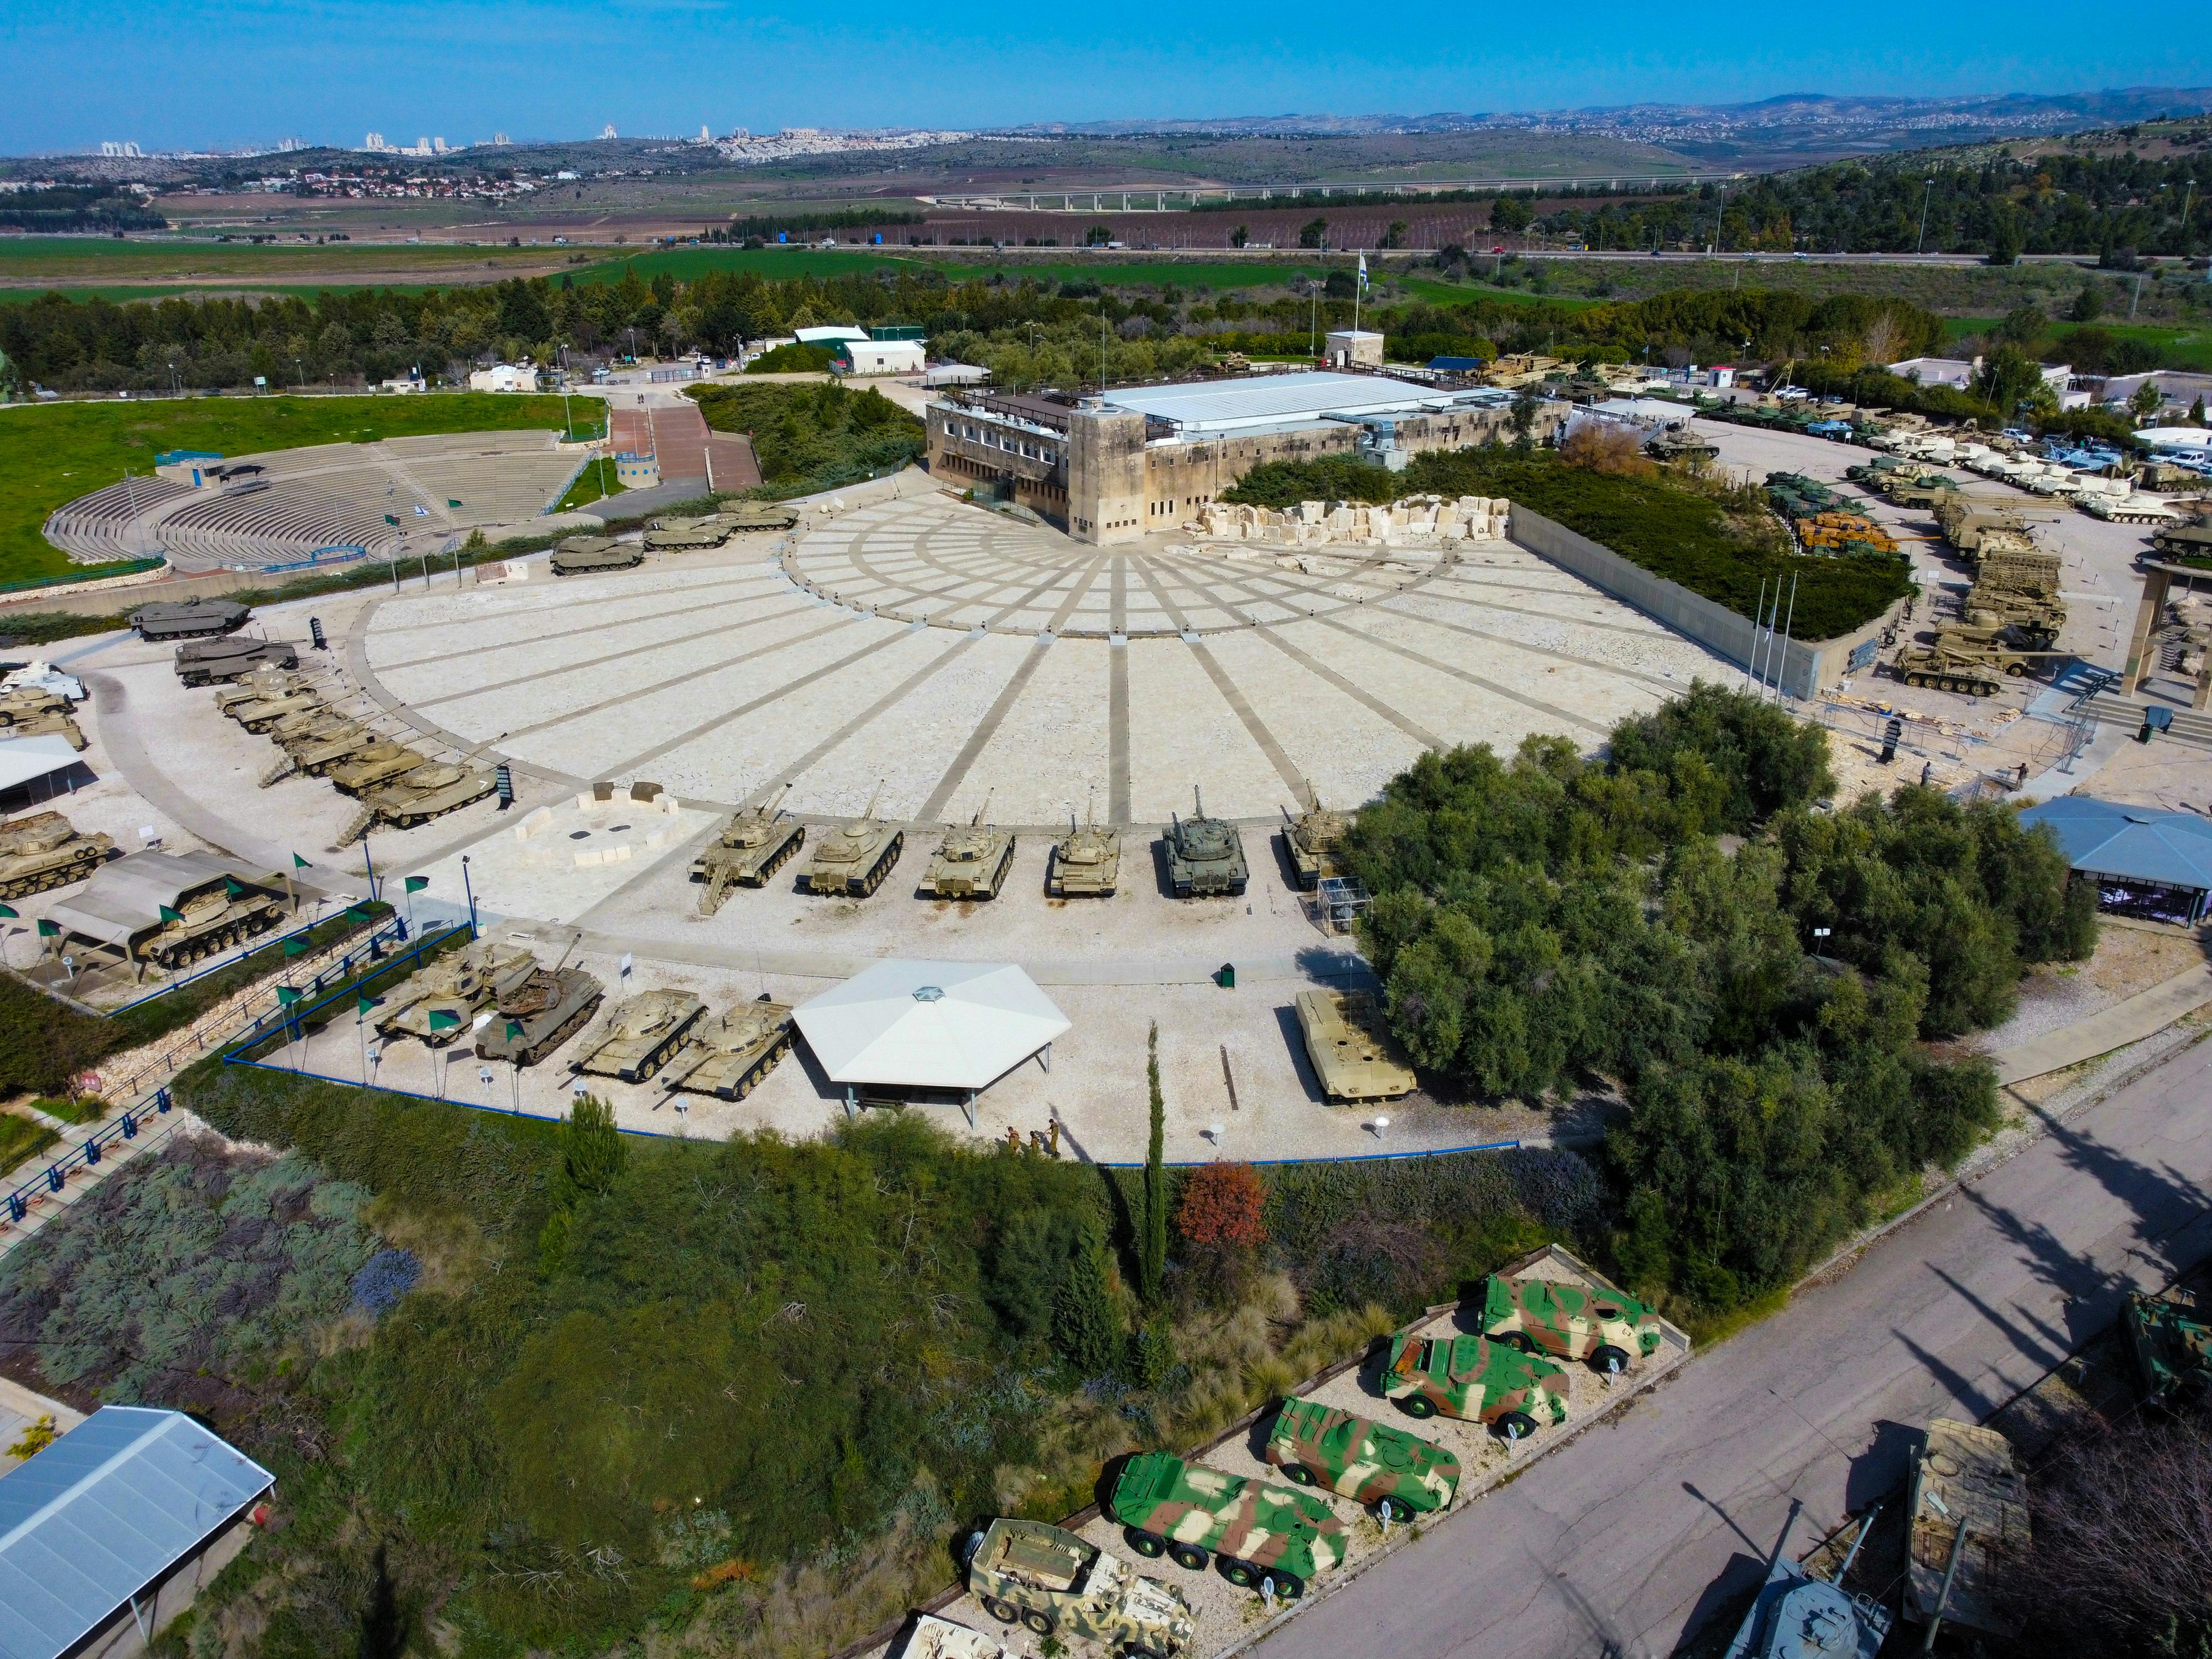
811, 438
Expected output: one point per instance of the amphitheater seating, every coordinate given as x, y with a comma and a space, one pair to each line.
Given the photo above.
95, 529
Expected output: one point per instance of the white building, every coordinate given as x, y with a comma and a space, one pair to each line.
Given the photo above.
828, 335
504, 377
1354, 348
880, 357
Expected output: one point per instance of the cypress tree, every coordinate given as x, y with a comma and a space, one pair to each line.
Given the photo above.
1155, 1252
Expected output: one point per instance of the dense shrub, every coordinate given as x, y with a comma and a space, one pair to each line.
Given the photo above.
810, 438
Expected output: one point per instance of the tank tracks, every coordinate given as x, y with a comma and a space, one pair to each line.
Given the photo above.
60, 875
530, 1053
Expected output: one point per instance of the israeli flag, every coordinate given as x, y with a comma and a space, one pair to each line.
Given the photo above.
422, 512
1363, 270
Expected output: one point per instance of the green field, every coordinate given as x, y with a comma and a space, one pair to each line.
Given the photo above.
51, 454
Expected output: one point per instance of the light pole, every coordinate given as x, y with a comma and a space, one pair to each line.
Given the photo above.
471, 893
1921, 241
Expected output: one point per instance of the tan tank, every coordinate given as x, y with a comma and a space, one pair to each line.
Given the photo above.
581, 555
751, 847
854, 858
43, 850
55, 722
531, 1019
972, 861
261, 685
1086, 863
316, 756
1972, 662
429, 790
326, 734
295, 728
760, 515
209, 922
725, 1057
640, 1034
459, 984
675, 535
1971, 525
1352, 1057
1314, 840
259, 716
375, 763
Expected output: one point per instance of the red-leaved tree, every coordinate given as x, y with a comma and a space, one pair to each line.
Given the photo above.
1222, 1208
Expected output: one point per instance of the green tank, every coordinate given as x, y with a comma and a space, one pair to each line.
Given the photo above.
1513, 1393
458, 984
854, 858
1193, 1514
425, 791
640, 1034
215, 661
2172, 1340
531, 1019
1396, 1474
43, 850
1352, 1060
972, 861
1086, 863
1060, 1586
2192, 540
1570, 1321
581, 554
728, 1057
372, 764
188, 619
1314, 839
1205, 856
750, 848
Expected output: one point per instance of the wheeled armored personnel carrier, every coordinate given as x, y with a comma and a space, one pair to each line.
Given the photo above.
42, 850
727, 1057
1205, 856
210, 923
1797, 1616
972, 861
581, 554
217, 661
33, 714
1058, 1585
438, 1001
428, 791
532, 1018
640, 1034
1191, 1514
854, 858
751, 847
1570, 1321
1314, 840
374, 763
2172, 1338
678, 535
1086, 863
1352, 1058
188, 619
1513, 1393
1396, 1474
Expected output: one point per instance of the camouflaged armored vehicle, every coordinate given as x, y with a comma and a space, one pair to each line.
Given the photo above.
1569, 1321
581, 554
1352, 1058
640, 1034
854, 858
1058, 1585
1513, 1393
1396, 1474
1191, 1514
428, 791
1086, 863
751, 847
1678, 443
674, 535
42, 850
212, 662
1314, 840
188, 619
437, 1002
374, 763
972, 861
211, 921
2172, 1338
532, 1018
2192, 540
727, 1057
1205, 856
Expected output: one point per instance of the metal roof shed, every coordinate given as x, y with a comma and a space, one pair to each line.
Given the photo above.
125, 898
92, 1525
2145, 847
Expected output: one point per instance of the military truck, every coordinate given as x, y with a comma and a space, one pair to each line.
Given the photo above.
854, 858
1570, 1321
1350, 1058
1205, 856
44, 849
727, 1057
1086, 863
750, 848
1511, 1393
1314, 840
532, 1017
1797, 1616
209, 922
972, 860
640, 1034
216, 661
1396, 1474
581, 554
427, 791
1191, 1514
1058, 1585
188, 619
2172, 1338
438, 1001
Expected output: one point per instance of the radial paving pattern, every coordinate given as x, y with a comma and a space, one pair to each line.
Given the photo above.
948, 653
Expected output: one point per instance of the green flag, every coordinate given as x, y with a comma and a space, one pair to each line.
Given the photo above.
295, 946
287, 995
167, 915
416, 884
514, 1031
366, 1004
9, 913
389, 519
231, 887
299, 863
50, 930
450, 502
442, 1021
356, 913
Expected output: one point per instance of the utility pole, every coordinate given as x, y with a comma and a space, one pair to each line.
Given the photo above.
1924, 197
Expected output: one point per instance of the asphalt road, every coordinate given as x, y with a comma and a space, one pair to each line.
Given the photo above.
1620, 1543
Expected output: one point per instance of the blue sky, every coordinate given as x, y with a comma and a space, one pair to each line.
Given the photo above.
190, 72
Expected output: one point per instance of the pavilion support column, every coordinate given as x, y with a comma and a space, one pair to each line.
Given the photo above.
2156, 584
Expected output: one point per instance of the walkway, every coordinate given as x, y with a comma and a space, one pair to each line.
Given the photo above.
2127, 1021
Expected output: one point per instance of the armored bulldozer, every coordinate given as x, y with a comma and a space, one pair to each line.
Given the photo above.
1314, 840
2172, 1340
1191, 1514
1512, 1394
727, 1057
216, 661
428, 791
372, 764
209, 922
1678, 445
581, 554
751, 847
1797, 1616
640, 1034
760, 515
972, 861
1352, 1058
532, 1018
42, 850
188, 619
854, 858
1396, 1474
1205, 856
1570, 1321
674, 535
1058, 1585
1086, 863
438, 1001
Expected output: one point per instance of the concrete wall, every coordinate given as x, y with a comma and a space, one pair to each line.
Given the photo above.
1106, 492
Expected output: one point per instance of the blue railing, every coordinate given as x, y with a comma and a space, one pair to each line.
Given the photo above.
225, 962
322, 558
370, 950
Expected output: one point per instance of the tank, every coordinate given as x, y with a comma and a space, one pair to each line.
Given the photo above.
316, 755
1060, 1586
2192, 540
1797, 1616
213, 919
2136, 506
33, 714
1396, 1474
2032, 571
258, 715
1968, 522
188, 619
933, 1638
582, 554
262, 685
1679, 444
972, 861
533, 1017
1512, 1393
727, 1057
1086, 863
1968, 1531
640, 1034
1191, 1514
1973, 661
1570, 1321
749, 848
676, 535
428, 791
760, 515
1352, 1058
43, 850
1314, 840
212, 662
372, 764
313, 732
854, 858
458, 983
2172, 1340
1205, 856
1794, 496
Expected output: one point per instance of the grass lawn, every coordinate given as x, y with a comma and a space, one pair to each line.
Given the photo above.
1458, 294
104, 260
588, 488
19, 1137
51, 454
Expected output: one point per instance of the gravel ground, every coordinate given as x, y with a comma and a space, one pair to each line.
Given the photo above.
2127, 960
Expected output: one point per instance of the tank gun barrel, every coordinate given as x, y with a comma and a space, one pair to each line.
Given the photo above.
1198, 801
976, 823
874, 799
1865, 1527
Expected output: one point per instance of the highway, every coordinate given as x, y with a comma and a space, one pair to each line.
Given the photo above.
1619, 1544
